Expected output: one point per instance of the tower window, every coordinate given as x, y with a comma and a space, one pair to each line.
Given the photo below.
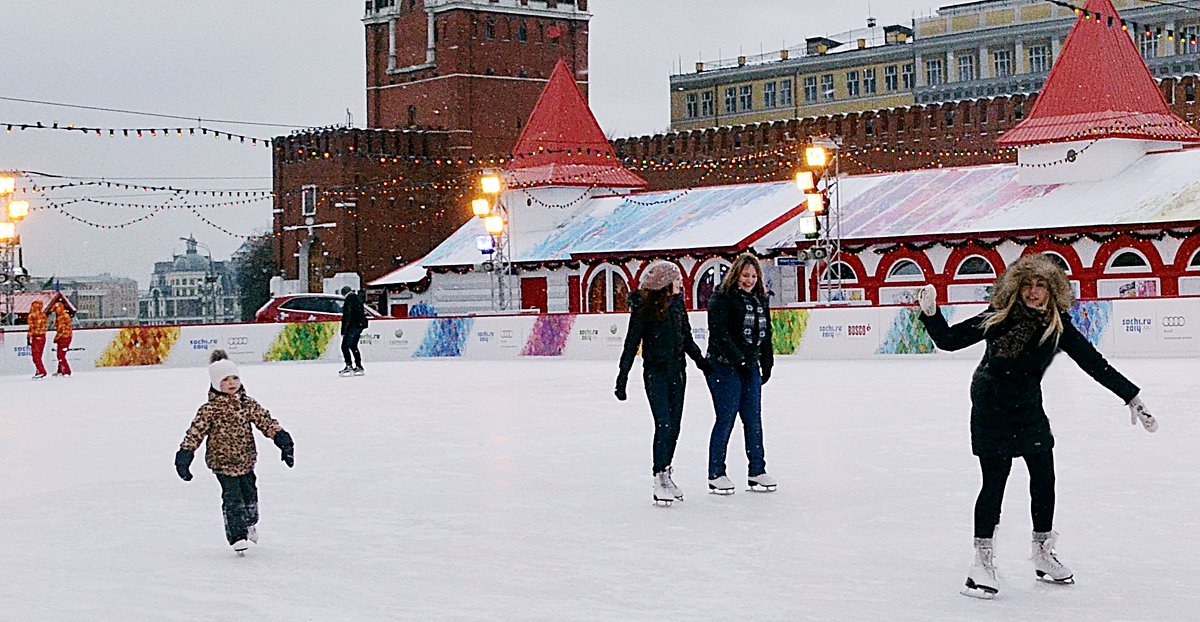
489, 29
522, 32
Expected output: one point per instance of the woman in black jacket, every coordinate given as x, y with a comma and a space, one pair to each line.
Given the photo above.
659, 324
354, 322
739, 348
1025, 326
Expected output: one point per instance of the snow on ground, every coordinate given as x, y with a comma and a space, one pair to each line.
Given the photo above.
459, 490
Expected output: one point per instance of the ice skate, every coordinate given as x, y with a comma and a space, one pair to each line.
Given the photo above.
1045, 562
662, 492
981, 579
762, 483
346, 371
240, 547
252, 533
39, 376
358, 371
720, 486
675, 491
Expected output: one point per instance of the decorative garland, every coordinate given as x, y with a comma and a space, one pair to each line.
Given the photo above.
137, 132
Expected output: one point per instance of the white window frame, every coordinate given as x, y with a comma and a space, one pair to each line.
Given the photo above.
934, 72
959, 274
891, 78
853, 273
1002, 63
966, 68
706, 104
746, 97
1148, 45
1039, 58
908, 76
811, 94
1109, 268
1194, 262
308, 200
705, 267
785, 92
770, 95
852, 84
692, 104
730, 100
605, 270
1066, 265
869, 83
827, 87
892, 277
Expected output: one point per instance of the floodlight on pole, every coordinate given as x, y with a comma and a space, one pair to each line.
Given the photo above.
815, 202
18, 210
490, 183
809, 227
494, 225
8, 231
816, 157
805, 180
7, 184
481, 207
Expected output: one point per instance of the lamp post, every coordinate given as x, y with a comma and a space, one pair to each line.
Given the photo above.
497, 243
12, 273
819, 181
210, 280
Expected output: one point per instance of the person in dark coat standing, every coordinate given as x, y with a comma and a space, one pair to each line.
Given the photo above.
740, 350
354, 322
658, 323
1025, 326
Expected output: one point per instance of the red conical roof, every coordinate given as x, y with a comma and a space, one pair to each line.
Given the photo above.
563, 145
1099, 88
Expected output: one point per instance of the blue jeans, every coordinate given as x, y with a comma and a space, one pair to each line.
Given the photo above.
735, 393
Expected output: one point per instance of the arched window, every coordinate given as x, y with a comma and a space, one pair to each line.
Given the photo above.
840, 271
489, 28
608, 291
710, 277
1060, 260
974, 267
1194, 264
1127, 260
522, 32
905, 270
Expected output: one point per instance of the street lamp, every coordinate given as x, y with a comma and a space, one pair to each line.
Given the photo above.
210, 279
12, 273
818, 180
491, 209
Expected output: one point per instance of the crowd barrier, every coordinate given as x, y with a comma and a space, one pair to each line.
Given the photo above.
1165, 327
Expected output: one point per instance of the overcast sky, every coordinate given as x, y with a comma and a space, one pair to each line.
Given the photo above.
288, 63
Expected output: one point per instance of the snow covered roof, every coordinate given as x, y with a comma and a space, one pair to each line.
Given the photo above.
719, 217
1099, 87
410, 273
1158, 188
22, 301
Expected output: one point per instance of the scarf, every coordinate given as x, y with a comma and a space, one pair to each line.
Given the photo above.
1022, 327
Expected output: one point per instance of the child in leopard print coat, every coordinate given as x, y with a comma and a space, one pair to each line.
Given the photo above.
225, 421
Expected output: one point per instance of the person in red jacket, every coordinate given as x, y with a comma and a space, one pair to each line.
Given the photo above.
36, 337
62, 336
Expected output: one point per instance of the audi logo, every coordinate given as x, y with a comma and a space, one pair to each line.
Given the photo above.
238, 341
1174, 321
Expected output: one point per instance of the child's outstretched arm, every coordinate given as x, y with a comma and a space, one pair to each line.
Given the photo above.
272, 430
191, 440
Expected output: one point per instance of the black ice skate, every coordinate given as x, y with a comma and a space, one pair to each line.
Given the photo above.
358, 371
240, 547
346, 371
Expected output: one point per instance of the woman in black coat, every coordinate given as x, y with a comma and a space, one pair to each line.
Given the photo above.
658, 323
740, 350
1025, 326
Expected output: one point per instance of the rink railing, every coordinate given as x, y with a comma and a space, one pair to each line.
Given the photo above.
1165, 327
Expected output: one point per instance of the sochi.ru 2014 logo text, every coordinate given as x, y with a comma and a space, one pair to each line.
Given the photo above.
1173, 321
1136, 325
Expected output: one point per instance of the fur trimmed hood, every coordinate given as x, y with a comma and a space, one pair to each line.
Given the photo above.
1007, 288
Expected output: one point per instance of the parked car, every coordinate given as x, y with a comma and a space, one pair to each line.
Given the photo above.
305, 308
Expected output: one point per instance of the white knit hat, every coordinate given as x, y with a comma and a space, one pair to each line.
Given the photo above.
221, 370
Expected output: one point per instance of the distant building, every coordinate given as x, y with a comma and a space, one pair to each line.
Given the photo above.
190, 289
100, 300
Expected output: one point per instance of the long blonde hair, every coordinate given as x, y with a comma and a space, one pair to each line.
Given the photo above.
730, 282
1006, 293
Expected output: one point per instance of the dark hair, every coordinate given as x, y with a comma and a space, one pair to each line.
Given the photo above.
657, 301
217, 355
730, 283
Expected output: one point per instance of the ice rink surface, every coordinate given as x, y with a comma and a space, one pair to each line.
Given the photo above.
521, 490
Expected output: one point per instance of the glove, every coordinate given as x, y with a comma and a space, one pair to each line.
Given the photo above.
183, 462
927, 299
1137, 410
287, 449
622, 380
766, 374
704, 366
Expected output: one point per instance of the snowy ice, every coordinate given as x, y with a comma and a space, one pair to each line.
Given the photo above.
521, 490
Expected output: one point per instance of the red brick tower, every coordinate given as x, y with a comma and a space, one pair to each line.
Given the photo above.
473, 67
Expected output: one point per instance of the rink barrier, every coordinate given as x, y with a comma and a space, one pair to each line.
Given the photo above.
1147, 328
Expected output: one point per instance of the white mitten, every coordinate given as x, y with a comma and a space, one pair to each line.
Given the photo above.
1137, 410
927, 298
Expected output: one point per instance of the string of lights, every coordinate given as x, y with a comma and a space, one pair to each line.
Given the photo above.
138, 132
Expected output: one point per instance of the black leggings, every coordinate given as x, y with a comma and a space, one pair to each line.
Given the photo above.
350, 347
665, 389
1041, 492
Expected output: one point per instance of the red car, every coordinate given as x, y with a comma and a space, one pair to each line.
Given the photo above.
306, 308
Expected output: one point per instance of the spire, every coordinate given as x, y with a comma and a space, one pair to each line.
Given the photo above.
1099, 87
563, 145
